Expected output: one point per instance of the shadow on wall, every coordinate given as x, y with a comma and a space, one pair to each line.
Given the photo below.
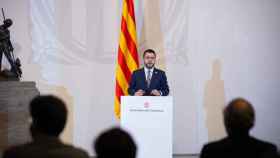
214, 101
151, 35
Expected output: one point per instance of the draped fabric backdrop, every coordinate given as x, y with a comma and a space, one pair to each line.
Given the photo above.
212, 51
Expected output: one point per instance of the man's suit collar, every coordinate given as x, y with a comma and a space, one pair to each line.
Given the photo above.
155, 69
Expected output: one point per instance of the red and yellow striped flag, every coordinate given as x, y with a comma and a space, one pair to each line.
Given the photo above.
127, 53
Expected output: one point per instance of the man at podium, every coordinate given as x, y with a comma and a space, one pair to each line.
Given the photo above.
148, 81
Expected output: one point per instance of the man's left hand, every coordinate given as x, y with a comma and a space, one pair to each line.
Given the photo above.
155, 92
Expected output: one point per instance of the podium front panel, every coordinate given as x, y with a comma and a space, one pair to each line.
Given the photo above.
149, 120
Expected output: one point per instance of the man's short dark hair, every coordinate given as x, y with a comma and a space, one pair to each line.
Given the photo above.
239, 116
115, 143
48, 114
149, 51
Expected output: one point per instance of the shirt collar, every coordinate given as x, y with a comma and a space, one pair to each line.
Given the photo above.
146, 69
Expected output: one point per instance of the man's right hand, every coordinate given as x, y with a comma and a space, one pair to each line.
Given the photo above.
140, 92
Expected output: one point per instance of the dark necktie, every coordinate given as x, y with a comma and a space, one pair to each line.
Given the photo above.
149, 78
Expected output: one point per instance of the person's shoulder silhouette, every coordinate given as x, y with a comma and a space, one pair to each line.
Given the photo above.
239, 118
49, 115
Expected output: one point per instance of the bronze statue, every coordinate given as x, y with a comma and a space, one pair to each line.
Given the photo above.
6, 48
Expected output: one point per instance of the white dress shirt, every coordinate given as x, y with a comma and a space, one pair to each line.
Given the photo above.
146, 72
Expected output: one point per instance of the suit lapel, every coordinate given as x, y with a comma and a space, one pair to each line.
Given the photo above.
154, 75
144, 77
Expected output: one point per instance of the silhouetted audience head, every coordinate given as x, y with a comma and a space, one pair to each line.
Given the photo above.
115, 143
239, 117
48, 114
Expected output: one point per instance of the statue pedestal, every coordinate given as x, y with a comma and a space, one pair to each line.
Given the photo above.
14, 112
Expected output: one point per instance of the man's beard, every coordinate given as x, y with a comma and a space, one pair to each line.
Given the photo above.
149, 66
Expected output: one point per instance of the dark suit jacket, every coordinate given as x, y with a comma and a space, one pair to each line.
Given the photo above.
45, 147
245, 147
158, 82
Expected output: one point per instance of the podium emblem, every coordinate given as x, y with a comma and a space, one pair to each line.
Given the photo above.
146, 104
